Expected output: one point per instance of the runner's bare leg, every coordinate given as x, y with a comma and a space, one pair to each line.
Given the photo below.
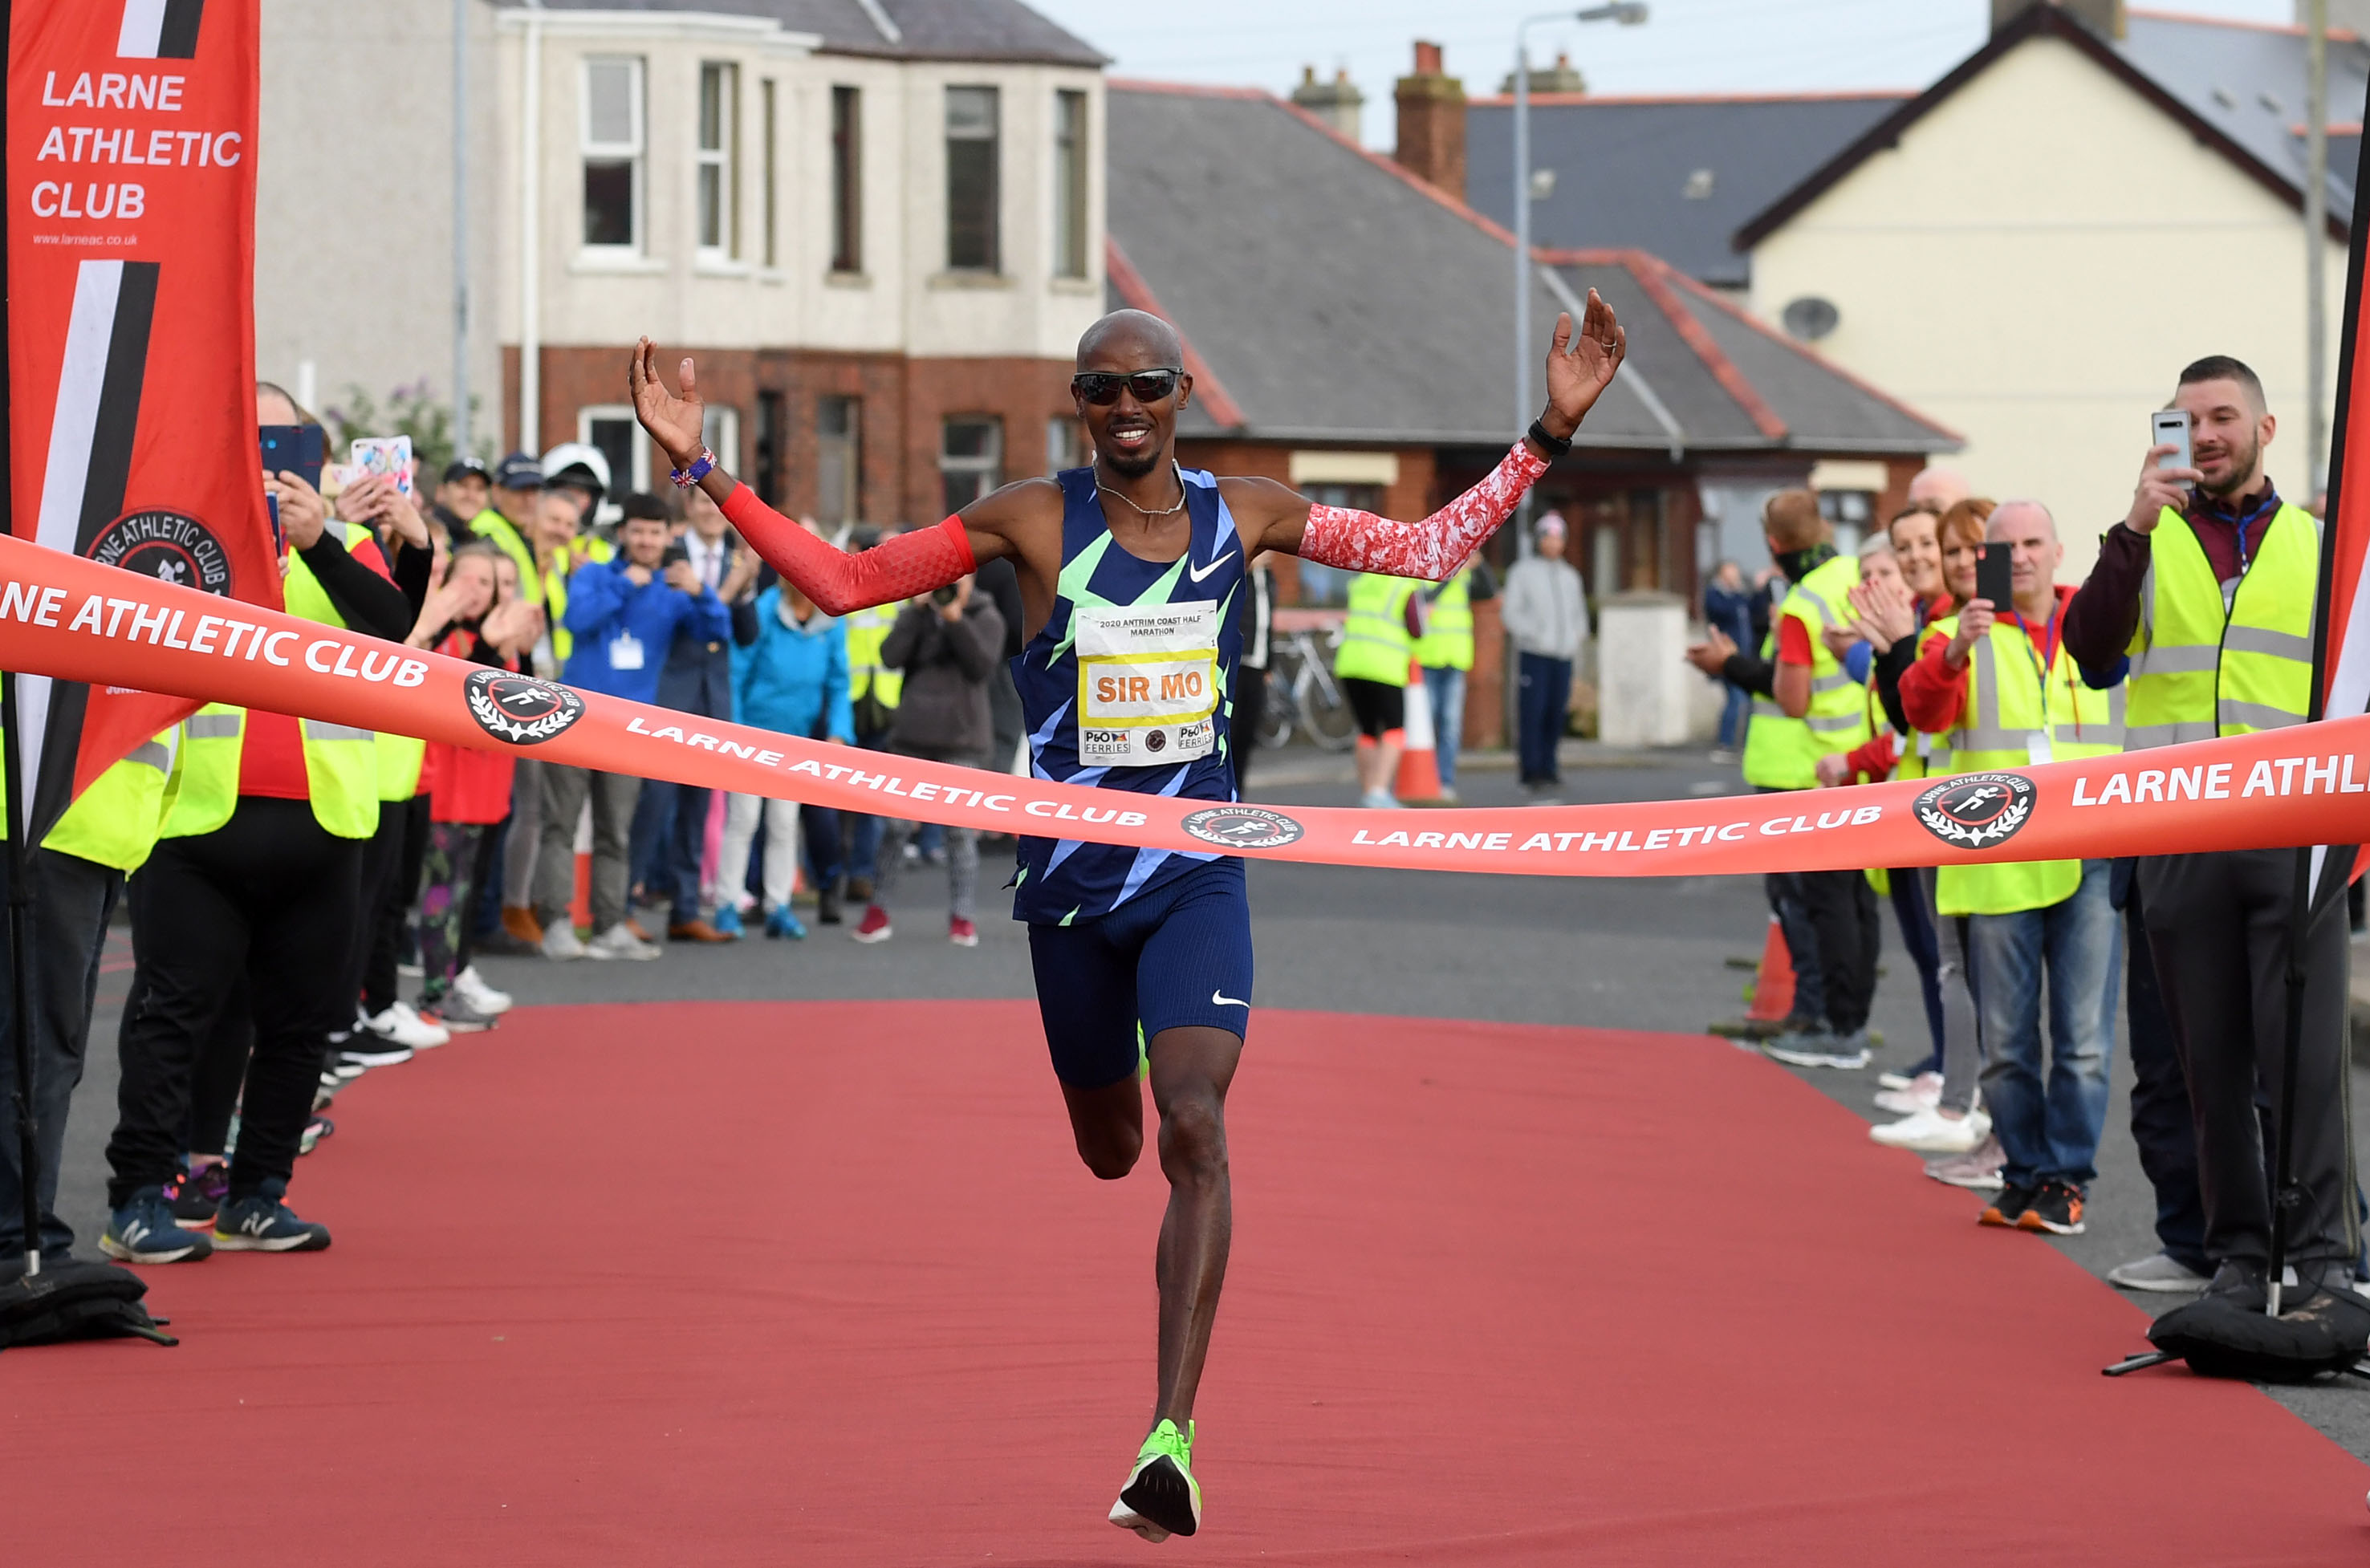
1191, 1071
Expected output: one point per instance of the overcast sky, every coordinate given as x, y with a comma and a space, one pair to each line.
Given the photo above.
1712, 46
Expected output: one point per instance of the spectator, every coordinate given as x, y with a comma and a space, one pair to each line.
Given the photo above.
509, 521
1376, 652
790, 678
1547, 615
1936, 488
874, 690
1728, 606
578, 470
698, 679
1250, 676
257, 878
1444, 654
619, 612
461, 495
1805, 705
2230, 572
947, 647
467, 615
2039, 917
1001, 583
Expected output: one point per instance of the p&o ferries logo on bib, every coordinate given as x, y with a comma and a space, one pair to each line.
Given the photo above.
1976, 810
1244, 828
520, 708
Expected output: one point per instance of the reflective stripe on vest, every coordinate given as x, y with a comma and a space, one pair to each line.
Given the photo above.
341, 768
2197, 671
867, 630
2010, 716
115, 821
1448, 640
1375, 642
1782, 752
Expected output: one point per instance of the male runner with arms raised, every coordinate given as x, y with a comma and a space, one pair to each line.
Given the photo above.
1129, 570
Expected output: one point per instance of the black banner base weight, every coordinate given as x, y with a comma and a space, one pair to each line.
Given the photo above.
76, 1300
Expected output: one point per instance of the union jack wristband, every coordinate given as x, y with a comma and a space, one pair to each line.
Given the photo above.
685, 478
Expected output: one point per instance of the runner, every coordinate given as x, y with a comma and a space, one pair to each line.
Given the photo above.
1129, 571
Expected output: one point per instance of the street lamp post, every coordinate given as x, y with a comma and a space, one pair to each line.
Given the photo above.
1629, 13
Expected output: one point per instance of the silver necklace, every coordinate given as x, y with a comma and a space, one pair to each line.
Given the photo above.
1141, 510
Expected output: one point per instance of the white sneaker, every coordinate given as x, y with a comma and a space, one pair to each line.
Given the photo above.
1380, 800
560, 942
1922, 1093
400, 1025
1932, 1132
619, 942
481, 997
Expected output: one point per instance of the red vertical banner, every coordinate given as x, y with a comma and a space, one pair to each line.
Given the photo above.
131, 131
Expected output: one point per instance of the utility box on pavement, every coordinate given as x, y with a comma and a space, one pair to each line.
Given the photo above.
1641, 670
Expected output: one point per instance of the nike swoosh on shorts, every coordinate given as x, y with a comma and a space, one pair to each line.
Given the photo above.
1221, 998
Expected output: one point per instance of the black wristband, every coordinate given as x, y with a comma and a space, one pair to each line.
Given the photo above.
1554, 446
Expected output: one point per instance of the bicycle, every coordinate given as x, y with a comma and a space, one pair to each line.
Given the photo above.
1302, 694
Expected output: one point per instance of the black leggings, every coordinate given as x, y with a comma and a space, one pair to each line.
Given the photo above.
1379, 709
269, 897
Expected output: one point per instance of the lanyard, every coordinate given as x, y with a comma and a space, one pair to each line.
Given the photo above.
2046, 659
2247, 522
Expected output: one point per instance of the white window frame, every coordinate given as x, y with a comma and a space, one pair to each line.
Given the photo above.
1072, 208
720, 426
635, 151
989, 465
637, 467
723, 160
995, 139
769, 93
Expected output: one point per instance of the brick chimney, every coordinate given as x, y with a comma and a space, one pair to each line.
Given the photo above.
1337, 103
2104, 17
1432, 123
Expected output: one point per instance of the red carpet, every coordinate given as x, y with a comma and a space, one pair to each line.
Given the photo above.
824, 1284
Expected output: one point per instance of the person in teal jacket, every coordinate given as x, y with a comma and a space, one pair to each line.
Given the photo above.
792, 680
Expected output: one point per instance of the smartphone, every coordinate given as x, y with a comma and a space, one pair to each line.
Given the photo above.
299, 448
1995, 578
677, 551
389, 457
2169, 427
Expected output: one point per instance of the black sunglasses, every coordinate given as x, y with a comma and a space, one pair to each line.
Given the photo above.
1101, 388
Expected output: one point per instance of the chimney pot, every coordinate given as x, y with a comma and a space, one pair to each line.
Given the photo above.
1427, 59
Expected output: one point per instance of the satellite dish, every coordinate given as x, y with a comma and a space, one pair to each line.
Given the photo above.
1810, 318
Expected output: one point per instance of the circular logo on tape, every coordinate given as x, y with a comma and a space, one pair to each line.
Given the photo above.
165, 545
1976, 810
1244, 828
520, 708
1155, 739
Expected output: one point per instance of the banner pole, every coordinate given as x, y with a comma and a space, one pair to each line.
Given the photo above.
20, 1014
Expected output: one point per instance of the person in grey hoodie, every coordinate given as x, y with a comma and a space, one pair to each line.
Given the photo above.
1547, 615
948, 645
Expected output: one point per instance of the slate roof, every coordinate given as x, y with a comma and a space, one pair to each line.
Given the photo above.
2237, 86
1623, 167
1328, 296
1001, 31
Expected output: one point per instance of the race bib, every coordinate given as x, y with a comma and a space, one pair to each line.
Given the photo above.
1147, 683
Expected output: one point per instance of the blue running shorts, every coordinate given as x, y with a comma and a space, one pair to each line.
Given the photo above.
1176, 957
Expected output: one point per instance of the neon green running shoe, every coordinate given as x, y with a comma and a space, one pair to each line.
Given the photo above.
1161, 1497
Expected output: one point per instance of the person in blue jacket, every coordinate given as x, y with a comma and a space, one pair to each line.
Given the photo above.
792, 680
624, 614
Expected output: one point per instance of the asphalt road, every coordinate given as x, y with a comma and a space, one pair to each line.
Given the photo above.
1629, 953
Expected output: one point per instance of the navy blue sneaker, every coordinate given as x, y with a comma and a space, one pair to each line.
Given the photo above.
260, 1222
144, 1230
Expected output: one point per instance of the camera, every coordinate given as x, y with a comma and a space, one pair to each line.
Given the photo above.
946, 595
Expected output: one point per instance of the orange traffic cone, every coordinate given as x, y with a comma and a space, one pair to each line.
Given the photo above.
581, 908
1773, 989
1419, 777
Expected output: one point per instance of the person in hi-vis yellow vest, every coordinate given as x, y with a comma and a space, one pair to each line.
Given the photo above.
2001, 684
2209, 585
1376, 651
78, 873
1444, 653
255, 878
1806, 705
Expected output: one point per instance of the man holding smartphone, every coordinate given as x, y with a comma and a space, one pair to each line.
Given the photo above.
2209, 584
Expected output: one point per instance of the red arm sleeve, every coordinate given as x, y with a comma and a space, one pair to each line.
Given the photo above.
1932, 693
1793, 642
1875, 758
1433, 549
838, 582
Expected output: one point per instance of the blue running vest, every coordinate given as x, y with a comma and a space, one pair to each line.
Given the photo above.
1114, 685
